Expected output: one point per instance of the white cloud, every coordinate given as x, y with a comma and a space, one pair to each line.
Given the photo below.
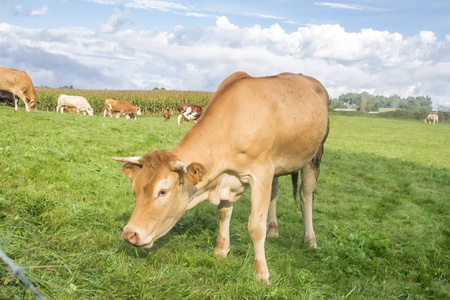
146, 4
19, 10
117, 19
196, 58
339, 5
39, 11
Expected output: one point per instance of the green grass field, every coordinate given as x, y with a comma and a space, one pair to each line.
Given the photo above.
381, 216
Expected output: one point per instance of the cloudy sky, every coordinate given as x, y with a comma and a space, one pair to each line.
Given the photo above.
383, 47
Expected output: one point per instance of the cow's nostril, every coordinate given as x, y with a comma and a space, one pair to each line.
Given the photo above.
130, 235
134, 238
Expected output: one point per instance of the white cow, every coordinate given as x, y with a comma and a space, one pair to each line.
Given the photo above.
80, 103
432, 117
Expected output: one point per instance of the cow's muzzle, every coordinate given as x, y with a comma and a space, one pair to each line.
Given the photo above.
133, 237
130, 235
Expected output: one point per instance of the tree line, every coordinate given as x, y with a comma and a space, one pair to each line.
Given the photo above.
366, 102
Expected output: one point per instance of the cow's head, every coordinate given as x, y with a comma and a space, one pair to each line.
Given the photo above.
138, 112
90, 111
162, 186
32, 104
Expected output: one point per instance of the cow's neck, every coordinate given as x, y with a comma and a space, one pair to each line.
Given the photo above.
207, 150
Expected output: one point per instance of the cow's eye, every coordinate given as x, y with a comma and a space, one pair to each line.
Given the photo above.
162, 193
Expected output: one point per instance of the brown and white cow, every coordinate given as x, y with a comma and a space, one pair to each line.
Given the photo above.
18, 83
189, 112
432, 117
122, 107
252, 131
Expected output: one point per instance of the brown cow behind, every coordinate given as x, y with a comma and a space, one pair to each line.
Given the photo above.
7, 97
71, 110
18, 83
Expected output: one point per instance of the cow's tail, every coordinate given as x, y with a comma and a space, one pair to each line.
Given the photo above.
316, 162
294, 177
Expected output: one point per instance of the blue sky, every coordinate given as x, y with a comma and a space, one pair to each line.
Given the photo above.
383, 47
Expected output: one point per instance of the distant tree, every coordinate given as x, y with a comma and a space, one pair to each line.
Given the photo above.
367, 102
66, 87
395, 101
425, 102
444, 108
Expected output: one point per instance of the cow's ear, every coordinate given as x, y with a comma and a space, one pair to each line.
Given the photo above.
195, 173
130, 170
131, 166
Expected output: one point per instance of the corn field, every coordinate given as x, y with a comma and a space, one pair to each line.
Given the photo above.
151, 102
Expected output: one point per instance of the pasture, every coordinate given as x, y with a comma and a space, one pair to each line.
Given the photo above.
381, 216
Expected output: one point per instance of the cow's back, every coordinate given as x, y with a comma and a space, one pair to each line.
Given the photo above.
281, 118
72, 101
121, 106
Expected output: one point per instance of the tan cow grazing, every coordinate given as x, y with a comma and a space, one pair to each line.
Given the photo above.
71, 110
184, 119
253, 130
18, 83
122, 107
432, 117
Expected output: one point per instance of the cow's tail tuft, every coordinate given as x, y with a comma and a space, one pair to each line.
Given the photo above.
294, 177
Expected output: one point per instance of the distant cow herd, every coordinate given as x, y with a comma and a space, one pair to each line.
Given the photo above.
17, 84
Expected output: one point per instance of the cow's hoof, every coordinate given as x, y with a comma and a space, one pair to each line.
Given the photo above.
266, 282
221, 252
263, 279
310, 242
272, 230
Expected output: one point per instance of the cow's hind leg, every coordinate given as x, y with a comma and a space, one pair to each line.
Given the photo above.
309, 174
16, 104
272, 226
223, 238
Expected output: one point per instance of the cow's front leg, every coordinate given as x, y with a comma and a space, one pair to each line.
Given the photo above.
272, 226
225, 209
261, 191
